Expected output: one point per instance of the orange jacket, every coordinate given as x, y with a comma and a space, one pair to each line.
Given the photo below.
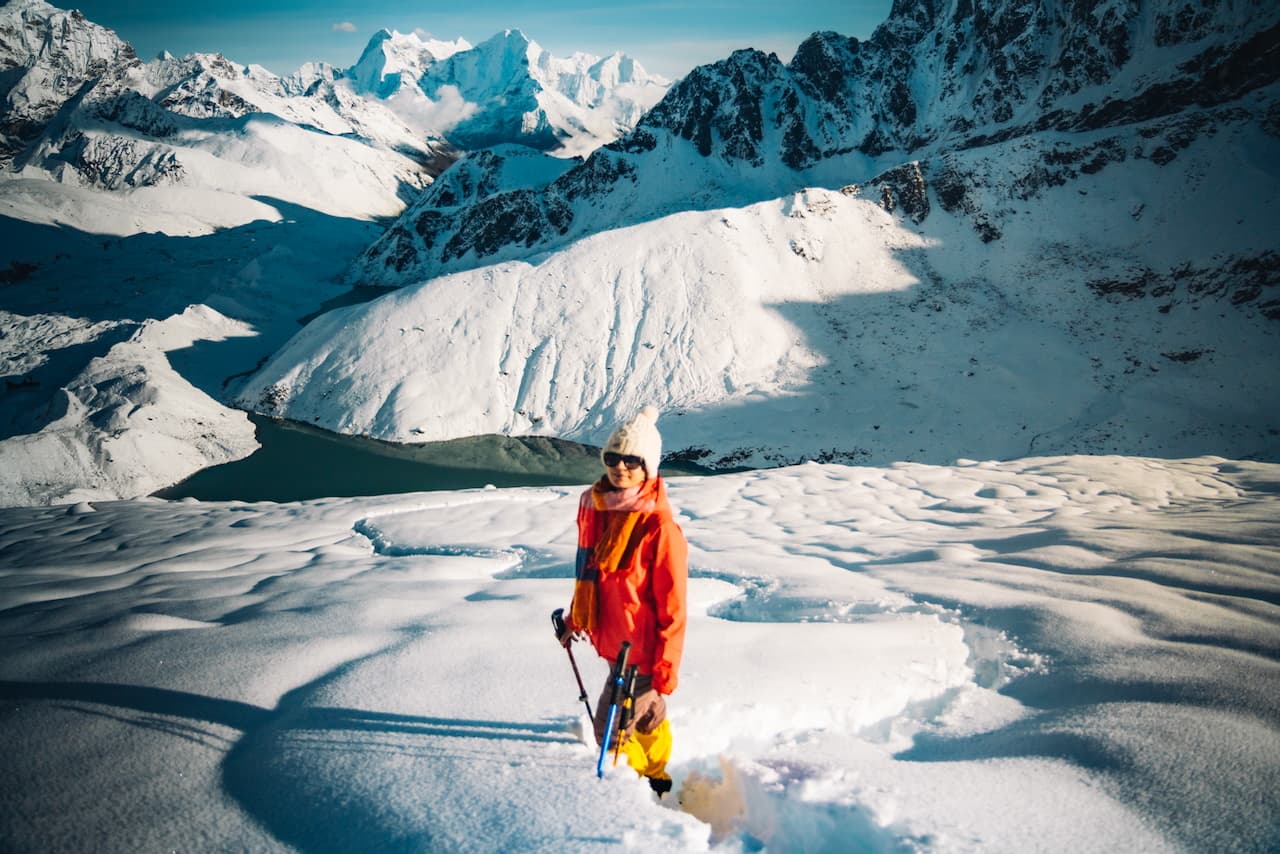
644, 600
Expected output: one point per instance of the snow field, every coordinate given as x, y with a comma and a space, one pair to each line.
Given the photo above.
1049, 654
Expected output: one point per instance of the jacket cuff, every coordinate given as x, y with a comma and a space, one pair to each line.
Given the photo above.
664, 680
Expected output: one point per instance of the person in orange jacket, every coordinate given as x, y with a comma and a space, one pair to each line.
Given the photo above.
631, 575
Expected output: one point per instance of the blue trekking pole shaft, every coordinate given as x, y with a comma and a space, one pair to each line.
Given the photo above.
615, 695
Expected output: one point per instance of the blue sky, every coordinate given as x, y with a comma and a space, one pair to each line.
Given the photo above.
666, 36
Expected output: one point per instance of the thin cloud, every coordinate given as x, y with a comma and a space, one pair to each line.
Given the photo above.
344, 27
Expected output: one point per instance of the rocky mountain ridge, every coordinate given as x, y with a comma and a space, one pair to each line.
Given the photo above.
1054, 235
59, 52
936, 77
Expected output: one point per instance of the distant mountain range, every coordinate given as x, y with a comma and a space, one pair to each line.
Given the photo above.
78, 105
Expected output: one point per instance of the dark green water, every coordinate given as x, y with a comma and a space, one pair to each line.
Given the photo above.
298, 462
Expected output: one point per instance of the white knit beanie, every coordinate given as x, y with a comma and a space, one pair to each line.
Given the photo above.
638, 437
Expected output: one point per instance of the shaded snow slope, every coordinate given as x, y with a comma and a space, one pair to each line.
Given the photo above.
1051, 654
128, 424
1108, 315
118, 352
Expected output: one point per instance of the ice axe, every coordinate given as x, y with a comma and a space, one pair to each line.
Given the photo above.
557, 620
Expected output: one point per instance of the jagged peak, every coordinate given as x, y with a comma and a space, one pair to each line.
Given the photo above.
749, 61
28, 24
752, 56
827, 41
39, 8
511, 42
385, 41
919, 15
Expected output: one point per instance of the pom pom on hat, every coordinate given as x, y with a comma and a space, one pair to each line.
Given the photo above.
638, 437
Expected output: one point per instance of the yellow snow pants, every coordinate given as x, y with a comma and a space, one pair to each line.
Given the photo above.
648, 752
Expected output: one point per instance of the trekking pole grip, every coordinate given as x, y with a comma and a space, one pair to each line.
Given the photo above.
557, 620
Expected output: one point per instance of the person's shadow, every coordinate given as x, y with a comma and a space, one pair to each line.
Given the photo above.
262, 772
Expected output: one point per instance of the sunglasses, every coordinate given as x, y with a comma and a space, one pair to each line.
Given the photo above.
629, 460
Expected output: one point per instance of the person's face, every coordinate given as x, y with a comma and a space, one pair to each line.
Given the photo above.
622, 474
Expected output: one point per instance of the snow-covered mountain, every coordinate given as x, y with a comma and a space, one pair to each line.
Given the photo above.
80, 108
507, 90
511, 90
46, 57
83, 112
1011, 220
393, 62
982, 232
155, 210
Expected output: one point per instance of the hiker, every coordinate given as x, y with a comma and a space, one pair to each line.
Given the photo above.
631, 577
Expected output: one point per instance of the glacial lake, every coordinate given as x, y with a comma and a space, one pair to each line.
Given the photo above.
298, 462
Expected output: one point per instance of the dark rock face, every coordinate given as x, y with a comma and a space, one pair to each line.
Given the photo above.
467, 212
134, 111
1251, 282
520, 217
902, 188
954, 188
46, 61
603, 169
721, 103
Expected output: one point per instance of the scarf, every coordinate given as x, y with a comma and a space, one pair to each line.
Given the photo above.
607, 521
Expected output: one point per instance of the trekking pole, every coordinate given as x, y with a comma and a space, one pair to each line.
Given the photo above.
615, 697
628, 710
557, 620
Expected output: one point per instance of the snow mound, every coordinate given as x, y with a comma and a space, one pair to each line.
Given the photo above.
128, 423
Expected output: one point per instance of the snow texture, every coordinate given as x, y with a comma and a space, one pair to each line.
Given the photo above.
1044, 655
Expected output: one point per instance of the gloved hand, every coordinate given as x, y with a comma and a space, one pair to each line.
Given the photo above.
564, 634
